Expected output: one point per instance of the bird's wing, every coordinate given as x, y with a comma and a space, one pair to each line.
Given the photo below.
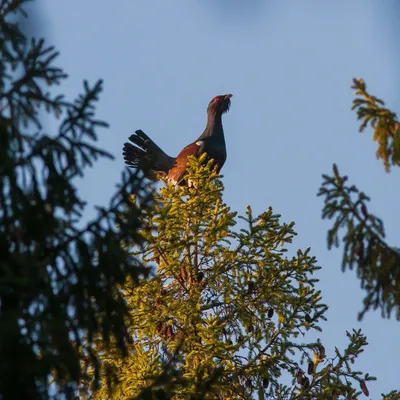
177, 172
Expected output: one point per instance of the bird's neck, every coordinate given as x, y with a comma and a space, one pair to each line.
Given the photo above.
214, 126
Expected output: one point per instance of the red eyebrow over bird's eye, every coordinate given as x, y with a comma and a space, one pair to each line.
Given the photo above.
216, 98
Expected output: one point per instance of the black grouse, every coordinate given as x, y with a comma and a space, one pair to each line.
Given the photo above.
156, 164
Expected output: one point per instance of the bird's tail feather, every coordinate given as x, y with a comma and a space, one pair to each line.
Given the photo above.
146, 155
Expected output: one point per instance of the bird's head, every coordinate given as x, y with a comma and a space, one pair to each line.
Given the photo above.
219, 104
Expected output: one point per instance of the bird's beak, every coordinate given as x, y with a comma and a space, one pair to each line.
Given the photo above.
228, 96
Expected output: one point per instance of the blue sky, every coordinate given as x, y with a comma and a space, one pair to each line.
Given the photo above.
289, 65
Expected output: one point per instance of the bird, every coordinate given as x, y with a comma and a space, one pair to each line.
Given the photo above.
157, 165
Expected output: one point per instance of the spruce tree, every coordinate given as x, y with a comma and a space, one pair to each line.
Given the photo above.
228, 314
58, 272
363, 234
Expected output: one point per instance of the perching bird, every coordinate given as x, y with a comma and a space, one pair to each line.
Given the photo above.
157, 164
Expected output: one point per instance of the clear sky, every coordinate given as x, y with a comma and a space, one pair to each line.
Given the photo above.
289, 65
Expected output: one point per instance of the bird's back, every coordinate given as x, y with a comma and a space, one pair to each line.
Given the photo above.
213, 146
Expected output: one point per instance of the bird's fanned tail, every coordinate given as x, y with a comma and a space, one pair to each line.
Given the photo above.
146, 155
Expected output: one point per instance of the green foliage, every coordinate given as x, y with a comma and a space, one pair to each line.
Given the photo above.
228, 311
384, 122
58, 276
393, 395
376, 262
365, 247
